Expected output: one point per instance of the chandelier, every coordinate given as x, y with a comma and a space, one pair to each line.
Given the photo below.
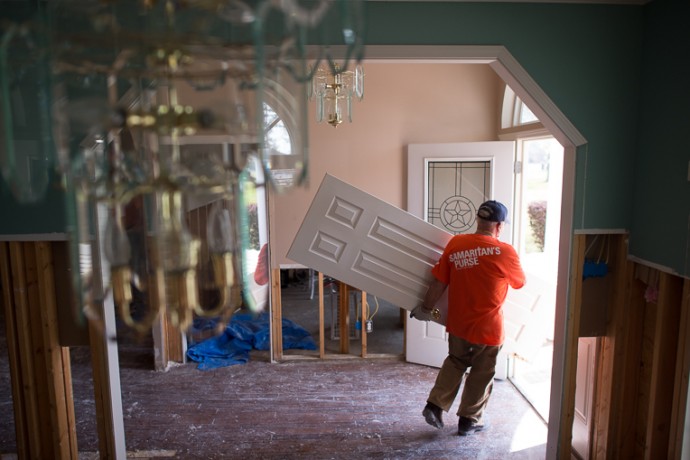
333, 87
145, 112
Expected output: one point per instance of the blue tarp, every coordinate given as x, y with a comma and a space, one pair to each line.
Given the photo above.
243, 333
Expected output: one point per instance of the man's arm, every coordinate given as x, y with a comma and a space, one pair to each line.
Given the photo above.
424, 312
433, 293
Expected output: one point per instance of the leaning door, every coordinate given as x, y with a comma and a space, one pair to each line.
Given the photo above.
369, 244
446, 183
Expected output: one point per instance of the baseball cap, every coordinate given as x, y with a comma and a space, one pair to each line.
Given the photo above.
493, 211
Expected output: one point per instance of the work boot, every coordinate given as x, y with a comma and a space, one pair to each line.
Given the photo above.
466, 426
433, 415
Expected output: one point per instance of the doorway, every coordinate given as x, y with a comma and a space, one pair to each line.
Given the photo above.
538, 190
446, 183
507, 68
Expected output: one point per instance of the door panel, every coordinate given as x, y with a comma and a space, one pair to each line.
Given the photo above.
523, 314
369, 244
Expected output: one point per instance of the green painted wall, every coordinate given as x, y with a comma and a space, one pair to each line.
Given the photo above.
46, 211
44, 216
585, 57
661, 217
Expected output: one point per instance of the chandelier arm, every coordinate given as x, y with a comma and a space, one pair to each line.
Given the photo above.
303, 16
188, 49
223, 275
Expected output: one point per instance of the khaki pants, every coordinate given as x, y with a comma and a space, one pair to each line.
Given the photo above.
481, 359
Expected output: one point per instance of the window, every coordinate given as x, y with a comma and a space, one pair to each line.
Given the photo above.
277, 135
515, 112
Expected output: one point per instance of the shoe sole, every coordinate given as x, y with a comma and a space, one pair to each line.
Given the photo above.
431, 418
471, 431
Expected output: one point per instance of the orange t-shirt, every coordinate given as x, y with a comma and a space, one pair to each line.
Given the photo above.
478, 270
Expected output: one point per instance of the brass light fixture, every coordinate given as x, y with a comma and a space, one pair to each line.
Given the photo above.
333, 87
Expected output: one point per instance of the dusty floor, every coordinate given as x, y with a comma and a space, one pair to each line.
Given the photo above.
333, 409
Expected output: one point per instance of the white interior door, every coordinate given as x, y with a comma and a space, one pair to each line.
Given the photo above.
446, 183
367, 243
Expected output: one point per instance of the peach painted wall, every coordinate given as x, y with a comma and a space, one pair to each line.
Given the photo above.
403, 104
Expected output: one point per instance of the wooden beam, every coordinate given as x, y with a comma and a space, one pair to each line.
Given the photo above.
174, 343
276, 317
19, 402
39, 367
106, 382
344, 318
663, 366
623, 421
25, 347
157, 294
322, 334
34, 323
363, 317
57, 362
565, 424
682, 379
105, 364
607, 401
159, 333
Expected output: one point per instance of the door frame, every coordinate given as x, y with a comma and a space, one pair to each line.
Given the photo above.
422, 340
566, 317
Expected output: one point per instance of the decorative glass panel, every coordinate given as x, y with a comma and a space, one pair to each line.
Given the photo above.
455, 189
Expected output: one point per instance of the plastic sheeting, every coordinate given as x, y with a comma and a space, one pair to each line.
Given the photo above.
593, 269
243, 333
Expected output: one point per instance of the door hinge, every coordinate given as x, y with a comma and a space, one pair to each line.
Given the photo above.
517, 167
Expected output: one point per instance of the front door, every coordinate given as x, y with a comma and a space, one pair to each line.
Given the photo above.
446, 184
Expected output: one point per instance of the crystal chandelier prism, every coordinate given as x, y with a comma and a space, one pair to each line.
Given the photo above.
333, 88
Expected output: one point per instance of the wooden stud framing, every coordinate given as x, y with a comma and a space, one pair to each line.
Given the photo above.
642, 388
22, 419
39, 366
106, 377
680, 387
625, 421
101, 400
25, 344
565, 424
57, 362
175, 344
322, 335
364, 316
276, 317
663, 366
612, 354
156, 299
344, 318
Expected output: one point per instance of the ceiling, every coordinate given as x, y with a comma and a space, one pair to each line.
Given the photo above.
596, 2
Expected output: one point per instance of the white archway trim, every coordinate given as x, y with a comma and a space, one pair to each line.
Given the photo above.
505, 66
508, 68
565, 336
536, 99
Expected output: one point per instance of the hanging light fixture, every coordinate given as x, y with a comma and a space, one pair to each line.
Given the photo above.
333, 87
119, 92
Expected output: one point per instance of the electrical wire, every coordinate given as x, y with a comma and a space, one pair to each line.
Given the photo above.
371, 318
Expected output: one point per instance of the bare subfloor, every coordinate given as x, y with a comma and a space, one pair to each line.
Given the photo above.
299, 409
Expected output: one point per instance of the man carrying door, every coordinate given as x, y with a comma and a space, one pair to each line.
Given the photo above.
477, 269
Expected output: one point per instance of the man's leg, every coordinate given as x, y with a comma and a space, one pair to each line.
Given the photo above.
448, 382
478, 387
450, 376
